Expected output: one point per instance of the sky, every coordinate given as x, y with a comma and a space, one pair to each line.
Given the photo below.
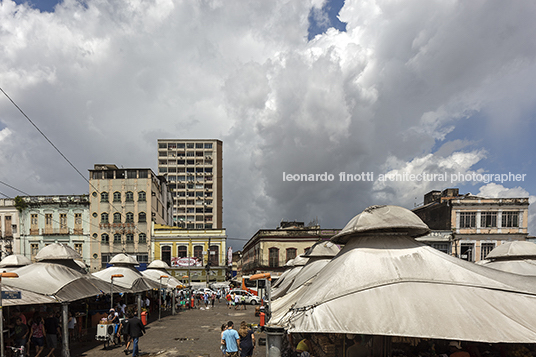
441, 90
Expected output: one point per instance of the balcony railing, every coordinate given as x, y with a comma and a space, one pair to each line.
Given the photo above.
55, 231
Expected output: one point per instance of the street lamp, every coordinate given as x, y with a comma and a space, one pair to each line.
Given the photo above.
3, 275
160, 295
112, 289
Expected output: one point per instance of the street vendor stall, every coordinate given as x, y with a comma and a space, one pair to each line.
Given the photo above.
387, 285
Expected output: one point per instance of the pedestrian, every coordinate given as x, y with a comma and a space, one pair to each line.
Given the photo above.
70, 325
231, 339
123, 331
358, 348
38, 334
243, 302
228, 298
247, 340
20, 333
213, 299
455, 349
222, 346
52, 329
237, 301
135, 330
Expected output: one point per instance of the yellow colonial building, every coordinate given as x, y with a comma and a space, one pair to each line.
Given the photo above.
192, 253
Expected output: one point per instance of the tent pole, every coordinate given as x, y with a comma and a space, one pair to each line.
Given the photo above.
65, 330
173, 301
139, 306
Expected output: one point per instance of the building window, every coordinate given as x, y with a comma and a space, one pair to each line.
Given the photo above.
34, 219
105, 259
485, 248
117, 238
467, 219
130, 238
34, 227
34, 249
214, 252
78, 220
105, 238
129, 196
291, 253
104, 218
141, 196
78, 248
63, 221
130, 217
117, 196
273, 259
117, 217
182, 251
104, 197
142, 217
166, 254
510, 219
142, 258
48, 219
466, 251
142, 238
488, 219
198, 252
143, 174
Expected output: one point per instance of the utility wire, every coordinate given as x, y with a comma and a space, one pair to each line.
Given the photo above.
59, 151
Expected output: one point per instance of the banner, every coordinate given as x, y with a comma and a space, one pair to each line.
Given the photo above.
230, 256
186, 262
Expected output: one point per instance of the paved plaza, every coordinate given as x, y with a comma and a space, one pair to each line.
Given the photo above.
189, 333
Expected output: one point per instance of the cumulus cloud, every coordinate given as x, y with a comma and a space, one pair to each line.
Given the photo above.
104, 80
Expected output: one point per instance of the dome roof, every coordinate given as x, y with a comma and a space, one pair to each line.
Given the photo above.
123, 258
290, 263
382, 219
323, 250
57, 251
15, 260
158, 264
300, 260
513, 249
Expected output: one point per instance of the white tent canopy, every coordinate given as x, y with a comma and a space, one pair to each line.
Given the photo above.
518, 257
158, 268
57, 275
132, 281
386, 283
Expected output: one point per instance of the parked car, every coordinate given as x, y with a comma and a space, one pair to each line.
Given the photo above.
203, 291
250, 298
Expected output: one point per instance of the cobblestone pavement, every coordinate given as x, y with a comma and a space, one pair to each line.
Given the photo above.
190, 333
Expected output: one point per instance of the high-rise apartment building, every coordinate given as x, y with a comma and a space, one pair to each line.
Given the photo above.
194, 170
123, 205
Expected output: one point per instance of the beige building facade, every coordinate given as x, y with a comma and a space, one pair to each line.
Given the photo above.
194, 170
194, 255
269, 249
477, 224
123, 205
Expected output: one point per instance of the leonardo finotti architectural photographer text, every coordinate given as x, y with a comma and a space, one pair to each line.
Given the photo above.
405, 177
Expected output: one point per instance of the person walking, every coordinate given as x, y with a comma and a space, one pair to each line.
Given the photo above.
228, 298
247, 340
38, 334
123, 331
52, 329
135, 330
213, 299
222, 346
230, 339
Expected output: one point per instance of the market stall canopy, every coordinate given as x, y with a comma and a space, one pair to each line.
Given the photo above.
132, 281
319, 256
284, 283
156, 269
57, 275
14, 261
288, 267
518, 257
26, 297
384, 282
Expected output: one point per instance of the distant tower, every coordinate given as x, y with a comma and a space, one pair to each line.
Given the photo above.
194, 170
